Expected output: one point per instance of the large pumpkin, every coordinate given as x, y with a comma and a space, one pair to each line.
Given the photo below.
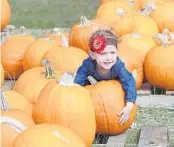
32, 81
108, 100
158, 66
16, 101
12, 52
5, 13
68, 105
81, 32
46, 135
2, 74
66, 59
143, 21
35, 52
13, 122
137, 43
163, 14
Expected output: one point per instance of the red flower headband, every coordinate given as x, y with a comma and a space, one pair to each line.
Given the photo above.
98, 44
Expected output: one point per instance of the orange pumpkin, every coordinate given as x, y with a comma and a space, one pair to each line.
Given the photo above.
2, 74
143, 21
5, 13
32, 81
108, 101
66, 59
138, 43
56, 36
35, 52
67, 105
16, 101
13, 122
12, 52
50, 135
158, 66
110, 9
81, 32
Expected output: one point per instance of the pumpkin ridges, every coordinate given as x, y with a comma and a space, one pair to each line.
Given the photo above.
159, 71
109, 92
70, 106
65, 57
24, 85
16, 45
35, 52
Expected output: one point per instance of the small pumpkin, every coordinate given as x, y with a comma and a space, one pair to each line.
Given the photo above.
12, 52
158, 65
69, 105
108, 100
81, 32
5, 13
50, 135
32, 81
34, 53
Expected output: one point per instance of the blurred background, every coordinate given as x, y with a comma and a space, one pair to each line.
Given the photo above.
51, 13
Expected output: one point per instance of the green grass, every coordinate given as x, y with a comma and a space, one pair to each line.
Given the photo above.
51, 13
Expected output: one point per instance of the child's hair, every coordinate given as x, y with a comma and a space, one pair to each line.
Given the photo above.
108, 34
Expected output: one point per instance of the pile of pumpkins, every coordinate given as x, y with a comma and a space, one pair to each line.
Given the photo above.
42, 107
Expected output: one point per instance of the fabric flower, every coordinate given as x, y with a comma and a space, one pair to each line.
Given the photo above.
98, 44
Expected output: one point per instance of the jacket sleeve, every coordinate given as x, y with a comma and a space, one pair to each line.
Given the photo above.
82, 73
128, 83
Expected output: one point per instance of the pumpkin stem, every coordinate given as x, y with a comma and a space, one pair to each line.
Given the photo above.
169, 36
162, 39
148, 9
57, 31
84, 21
23, 30
18, 126
49, 74
64, 40
67, 79
92, 80
4, 104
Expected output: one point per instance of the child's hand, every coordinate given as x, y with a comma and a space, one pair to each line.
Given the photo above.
125, 112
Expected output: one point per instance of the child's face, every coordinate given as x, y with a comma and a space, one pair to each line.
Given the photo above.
107, 58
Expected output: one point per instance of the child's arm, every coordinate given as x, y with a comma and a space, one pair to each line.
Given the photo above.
82, 73
128, 83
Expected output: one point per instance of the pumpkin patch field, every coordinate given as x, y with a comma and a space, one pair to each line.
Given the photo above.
43, 45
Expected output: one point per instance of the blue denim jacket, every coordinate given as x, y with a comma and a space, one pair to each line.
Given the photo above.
118, 72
